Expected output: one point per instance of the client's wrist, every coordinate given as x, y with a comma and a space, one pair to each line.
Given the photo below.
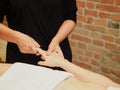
62, 63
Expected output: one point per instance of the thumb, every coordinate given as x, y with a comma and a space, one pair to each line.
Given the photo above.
50, 50
41, 63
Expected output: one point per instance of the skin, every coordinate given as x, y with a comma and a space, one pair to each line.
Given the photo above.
25, 43
65, 29
68, 84
28, 45
82, 79
54, 60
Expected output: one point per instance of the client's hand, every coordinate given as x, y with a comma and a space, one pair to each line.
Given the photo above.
54, 47
52, 60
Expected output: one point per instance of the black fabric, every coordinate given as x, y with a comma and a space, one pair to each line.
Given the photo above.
40, 19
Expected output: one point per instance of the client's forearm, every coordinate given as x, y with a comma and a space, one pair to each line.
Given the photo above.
4, 67
86, 75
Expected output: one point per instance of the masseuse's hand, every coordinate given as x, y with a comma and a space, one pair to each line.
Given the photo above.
54, 47
53, 60
26, 44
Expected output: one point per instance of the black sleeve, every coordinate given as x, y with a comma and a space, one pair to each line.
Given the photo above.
70, 9
2, 9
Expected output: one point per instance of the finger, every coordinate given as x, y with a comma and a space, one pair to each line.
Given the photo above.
41, 52
34, 50
36, 44
37, 53
50, 50
43, 58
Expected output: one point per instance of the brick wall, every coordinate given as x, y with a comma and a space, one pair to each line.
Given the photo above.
95, 42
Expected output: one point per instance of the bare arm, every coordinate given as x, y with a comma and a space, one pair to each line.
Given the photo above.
81, 74
69, 14
8, 34
3, 68
86, 75
25, 43
72, 82
65, 29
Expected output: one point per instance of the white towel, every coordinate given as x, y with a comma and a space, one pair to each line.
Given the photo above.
113, 88
29, 77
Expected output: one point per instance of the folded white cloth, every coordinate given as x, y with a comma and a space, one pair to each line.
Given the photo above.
113, 88
22, 76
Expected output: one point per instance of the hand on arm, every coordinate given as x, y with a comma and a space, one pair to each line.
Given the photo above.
54, 60
54, 48
63, 32
65, 29
25, 43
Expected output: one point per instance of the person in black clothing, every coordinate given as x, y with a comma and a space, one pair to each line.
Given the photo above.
47, 23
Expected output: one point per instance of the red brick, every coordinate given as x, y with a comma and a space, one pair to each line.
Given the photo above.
114, 32
107, 8
89, 20
115, 17
81, 38
111, 46
95, 0
81, 4
90, 5
91, 12
101, 22
98, 42
106, 70
104, 15
108, 1
82, 18
89, 54
108, 37
96, 56
95, 28
95, 62
117, 2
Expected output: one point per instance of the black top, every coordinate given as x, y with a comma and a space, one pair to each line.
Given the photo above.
41, 20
